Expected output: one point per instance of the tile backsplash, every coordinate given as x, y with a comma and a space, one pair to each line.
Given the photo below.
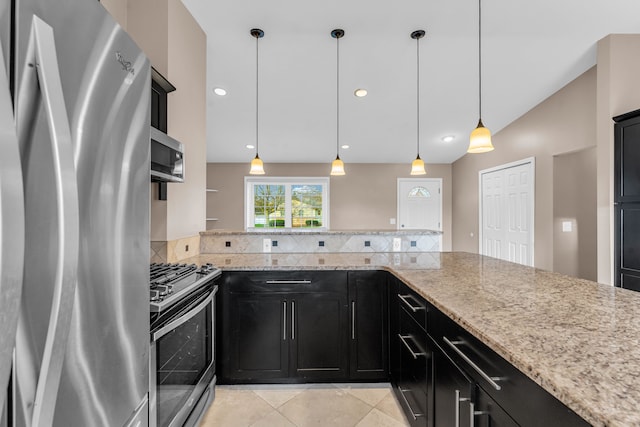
214, 242
175, 250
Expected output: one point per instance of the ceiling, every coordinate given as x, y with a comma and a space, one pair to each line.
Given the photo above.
530, 49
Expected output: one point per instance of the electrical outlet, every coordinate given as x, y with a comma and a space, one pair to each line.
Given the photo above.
397, 244
392, 221
266, 245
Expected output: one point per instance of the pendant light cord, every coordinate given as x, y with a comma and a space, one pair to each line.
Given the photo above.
480, 59
337, 97
418, 97
257, 76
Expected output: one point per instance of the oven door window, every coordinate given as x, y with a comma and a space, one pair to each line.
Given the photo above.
183, 356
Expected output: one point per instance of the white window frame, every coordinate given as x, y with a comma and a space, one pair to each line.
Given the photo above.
251, 181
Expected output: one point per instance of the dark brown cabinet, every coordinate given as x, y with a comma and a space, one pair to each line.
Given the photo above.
627, 200
284, 327
368, 326
412, 369
318, 342
453, 393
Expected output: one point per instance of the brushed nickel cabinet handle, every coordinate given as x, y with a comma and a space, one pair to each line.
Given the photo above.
293, 320
490, 380
405, 300
458, 401
284, 321
414, 414
353, 320
288, 282
404, 339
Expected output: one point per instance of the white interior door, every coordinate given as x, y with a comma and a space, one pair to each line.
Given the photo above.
507, 197
419, 204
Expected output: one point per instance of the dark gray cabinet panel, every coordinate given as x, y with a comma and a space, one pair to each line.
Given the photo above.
258, 345
368, 326
627, 200
318, 345
289, 326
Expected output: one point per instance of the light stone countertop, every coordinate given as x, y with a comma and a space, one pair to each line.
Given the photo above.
578, 339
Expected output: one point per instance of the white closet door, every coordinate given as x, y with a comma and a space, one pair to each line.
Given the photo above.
507, 211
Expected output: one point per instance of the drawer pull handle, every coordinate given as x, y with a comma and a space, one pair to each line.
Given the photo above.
414, 415
404, 339
288, 282
490, 380
284, 321
414, 308
353, 320
473, 413
458, 401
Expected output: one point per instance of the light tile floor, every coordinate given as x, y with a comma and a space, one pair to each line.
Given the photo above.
303, 405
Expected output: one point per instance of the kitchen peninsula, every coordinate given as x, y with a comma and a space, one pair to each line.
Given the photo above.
577, 339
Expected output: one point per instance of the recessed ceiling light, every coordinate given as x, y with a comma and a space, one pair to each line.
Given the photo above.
250, 146
360, 93
344, 147
219, 91
448, 138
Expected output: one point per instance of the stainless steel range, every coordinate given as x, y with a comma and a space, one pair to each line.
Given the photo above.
182, 359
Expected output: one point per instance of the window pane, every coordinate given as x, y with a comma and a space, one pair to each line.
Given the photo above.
269, 202
306, 206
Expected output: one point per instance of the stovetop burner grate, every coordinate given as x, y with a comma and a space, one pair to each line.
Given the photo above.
169, 283
162, 274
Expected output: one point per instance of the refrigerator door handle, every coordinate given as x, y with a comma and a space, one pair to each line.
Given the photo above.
42, 78
11, 231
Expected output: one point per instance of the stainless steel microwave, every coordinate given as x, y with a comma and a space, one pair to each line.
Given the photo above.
167, 162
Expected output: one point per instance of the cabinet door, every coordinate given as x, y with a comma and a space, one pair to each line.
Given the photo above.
368, 338
257, 337
452, 393
319, 336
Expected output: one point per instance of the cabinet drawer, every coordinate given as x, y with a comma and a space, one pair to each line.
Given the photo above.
524, 400
415, 370
286, 281
413, 304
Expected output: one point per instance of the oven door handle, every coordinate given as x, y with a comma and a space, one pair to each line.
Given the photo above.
182, 319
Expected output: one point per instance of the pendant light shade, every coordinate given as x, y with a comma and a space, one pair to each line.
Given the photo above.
337, 166
257, 167
417, 166
480, 140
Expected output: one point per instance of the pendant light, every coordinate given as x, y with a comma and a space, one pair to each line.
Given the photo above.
480, 140
337, 167
257, 167
417, 167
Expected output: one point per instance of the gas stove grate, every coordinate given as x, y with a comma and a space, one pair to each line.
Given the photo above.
164, 274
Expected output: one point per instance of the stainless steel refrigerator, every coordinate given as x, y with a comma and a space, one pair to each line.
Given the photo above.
74, 217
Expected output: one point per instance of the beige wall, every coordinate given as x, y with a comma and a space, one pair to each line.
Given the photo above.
364, 199
574, 201
618, 93
563, 123
187, 121
176, 46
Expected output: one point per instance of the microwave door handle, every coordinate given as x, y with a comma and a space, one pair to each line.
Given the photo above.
41, 81
11, 231
183, 319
